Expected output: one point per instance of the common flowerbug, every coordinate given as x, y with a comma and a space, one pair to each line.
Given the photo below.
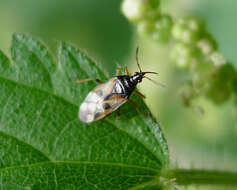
109, 96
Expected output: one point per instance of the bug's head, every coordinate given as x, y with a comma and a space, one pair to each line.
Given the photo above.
138, 76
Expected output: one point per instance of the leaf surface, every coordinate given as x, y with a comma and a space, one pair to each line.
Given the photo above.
50, 147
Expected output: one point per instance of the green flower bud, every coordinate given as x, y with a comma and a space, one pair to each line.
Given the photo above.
165, 22
134, 10
222, 84
201, 72
194, 23
183, 54
187, 93
188, 29
177, 30
137, 10
154, 4
146, 27
217, 58
228, 75
218, 93
207, 44
162, 29
189, 36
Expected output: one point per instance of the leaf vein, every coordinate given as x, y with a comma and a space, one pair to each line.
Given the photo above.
62, 131
156, 171
34, 148
135, 138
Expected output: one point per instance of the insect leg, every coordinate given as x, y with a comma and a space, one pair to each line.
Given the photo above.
122, 68
118, 114
118, 71
127, 72
139, 93
89, 79
138, 108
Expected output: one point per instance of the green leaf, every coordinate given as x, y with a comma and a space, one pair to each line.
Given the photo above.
43, 143
77, 175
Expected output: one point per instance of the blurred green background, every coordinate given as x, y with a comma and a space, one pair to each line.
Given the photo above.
99, 29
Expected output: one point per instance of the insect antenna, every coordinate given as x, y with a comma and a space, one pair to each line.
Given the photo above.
137, 50
155, 82
150, 72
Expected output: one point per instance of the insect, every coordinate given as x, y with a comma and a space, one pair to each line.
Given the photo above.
109, 96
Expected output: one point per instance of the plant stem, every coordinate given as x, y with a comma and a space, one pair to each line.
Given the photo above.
203, 177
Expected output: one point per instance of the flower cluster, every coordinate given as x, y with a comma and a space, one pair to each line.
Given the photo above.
194, 43
146, 14
196, 51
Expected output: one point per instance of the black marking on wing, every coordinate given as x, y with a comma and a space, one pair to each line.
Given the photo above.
106, 106
108, 96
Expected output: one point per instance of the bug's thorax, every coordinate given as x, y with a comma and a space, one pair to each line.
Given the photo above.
128, 83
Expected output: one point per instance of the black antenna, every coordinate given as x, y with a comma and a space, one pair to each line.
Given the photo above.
150, 72
155, 82
137, 59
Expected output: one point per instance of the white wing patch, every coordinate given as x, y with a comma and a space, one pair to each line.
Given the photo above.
93, 102
89, 106
92, 97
